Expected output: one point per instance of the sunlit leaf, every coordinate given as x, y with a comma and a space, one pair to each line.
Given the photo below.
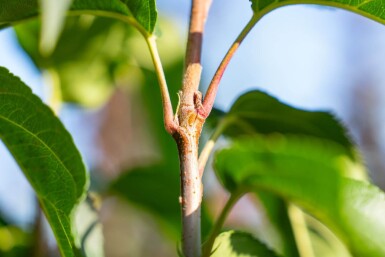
373, 9
240, 244
309, 173
46, 154
144, 12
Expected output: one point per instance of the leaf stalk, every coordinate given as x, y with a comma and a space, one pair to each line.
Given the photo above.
213, 87
207, 248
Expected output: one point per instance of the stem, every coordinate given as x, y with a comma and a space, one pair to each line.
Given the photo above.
301, 233
193, 67
213, 87
234, 197
168, 115
191, 190
188, 132
209, 146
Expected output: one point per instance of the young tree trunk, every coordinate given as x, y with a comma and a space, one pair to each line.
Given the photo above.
187, 139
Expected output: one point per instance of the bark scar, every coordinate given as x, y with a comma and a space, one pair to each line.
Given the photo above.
200, 109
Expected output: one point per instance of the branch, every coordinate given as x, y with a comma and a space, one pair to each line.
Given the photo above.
168, 115
213, 87
193, 67
207, 248
188, 133
209, 146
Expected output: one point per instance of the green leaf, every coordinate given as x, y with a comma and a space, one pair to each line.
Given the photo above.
309, 173
46, 154
236, 244
362, 208
157, 190
372, 9
144, 12
17, 10
140, 13
256, 112
85, 59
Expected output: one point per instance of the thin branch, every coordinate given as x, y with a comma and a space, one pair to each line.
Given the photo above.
213, 87
193, 67
208, 245
168, 115
209, 146
199, 12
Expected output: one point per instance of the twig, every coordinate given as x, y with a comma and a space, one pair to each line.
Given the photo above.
234, 197
209, 146
193, 67
213, 87
168, 115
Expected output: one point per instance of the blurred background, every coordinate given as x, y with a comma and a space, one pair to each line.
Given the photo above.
101, 83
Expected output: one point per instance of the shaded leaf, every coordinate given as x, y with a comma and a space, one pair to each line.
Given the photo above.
17, 10
308, 172
143, 11
373, 9
85, 59
234, 244
157, 190
256, 112
46, 154
94, 55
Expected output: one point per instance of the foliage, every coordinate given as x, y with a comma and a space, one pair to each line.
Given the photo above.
283, 155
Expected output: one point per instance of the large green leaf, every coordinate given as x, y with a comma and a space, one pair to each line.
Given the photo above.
237, 244
309, 172
142, 13
373, 9
46, 154
257, 112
